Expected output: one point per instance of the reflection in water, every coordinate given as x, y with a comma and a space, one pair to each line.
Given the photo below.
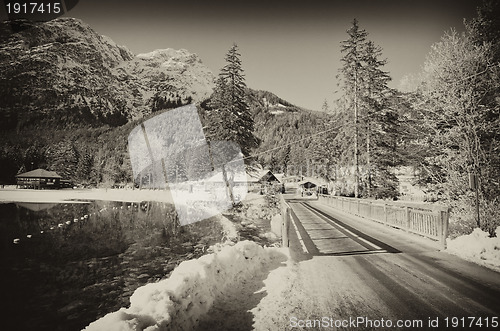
36, 206
81, 268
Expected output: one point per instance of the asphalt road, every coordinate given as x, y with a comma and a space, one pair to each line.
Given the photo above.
356, 274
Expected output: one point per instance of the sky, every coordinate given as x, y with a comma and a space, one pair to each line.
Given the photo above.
290, 48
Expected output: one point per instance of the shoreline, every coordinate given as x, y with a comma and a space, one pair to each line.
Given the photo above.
12, 195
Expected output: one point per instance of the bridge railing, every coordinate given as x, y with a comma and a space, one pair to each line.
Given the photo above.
425, 220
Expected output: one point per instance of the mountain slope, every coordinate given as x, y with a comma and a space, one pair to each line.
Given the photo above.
286, 131
63, 74
169, 75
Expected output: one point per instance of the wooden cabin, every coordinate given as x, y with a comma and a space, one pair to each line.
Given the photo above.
307, 188
39, 179
267, 177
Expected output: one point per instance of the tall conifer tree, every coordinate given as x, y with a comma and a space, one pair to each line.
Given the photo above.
352, 71
376, 93
366, 97
229, 105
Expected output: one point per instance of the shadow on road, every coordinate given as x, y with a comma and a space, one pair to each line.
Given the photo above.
370, 244
387, 248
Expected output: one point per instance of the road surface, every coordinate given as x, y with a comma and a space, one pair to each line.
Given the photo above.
349, 269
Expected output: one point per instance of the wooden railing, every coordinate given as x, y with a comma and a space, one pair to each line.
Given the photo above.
285, 223
430, 221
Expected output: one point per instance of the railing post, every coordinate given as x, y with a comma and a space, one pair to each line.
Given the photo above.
440, 227
385, 212
285, 222
407, 209
443, 221
285, 228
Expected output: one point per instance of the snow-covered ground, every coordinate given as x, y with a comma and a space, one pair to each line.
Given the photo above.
194, 287
477, 247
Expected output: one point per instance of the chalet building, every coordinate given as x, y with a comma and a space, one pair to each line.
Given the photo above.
267, 177
307, 188
265, 181
39, 179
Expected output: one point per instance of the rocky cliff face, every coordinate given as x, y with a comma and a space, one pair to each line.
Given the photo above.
168, 77
62, 74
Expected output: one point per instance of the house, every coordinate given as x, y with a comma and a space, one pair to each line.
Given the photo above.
266, 177
307, 187
38, 179
265, 181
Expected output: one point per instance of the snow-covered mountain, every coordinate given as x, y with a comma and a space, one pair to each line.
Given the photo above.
62, 73
168, 75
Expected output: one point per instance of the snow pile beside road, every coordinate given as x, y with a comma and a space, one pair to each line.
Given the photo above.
478, 247
179, 301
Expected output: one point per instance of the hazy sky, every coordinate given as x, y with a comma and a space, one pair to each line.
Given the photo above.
291, 48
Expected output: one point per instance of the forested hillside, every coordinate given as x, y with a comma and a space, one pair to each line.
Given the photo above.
69, 97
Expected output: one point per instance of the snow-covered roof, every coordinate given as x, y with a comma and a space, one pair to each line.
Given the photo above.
307, 184
39, 173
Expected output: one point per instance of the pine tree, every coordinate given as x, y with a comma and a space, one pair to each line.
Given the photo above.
230, 113
229, 117
325, 107
85, 164
352, 71
366, 96
286, 160
376, 93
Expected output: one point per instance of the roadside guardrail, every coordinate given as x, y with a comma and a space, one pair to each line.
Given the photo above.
430, 221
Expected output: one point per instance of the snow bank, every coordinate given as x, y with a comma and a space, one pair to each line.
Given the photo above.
478, 247
179, 301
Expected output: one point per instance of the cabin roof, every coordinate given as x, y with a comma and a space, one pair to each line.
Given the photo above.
307, 184
39, 173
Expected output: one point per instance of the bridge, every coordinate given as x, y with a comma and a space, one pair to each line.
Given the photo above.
352, 266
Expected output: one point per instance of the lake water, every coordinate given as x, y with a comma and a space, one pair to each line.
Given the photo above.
88, 260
